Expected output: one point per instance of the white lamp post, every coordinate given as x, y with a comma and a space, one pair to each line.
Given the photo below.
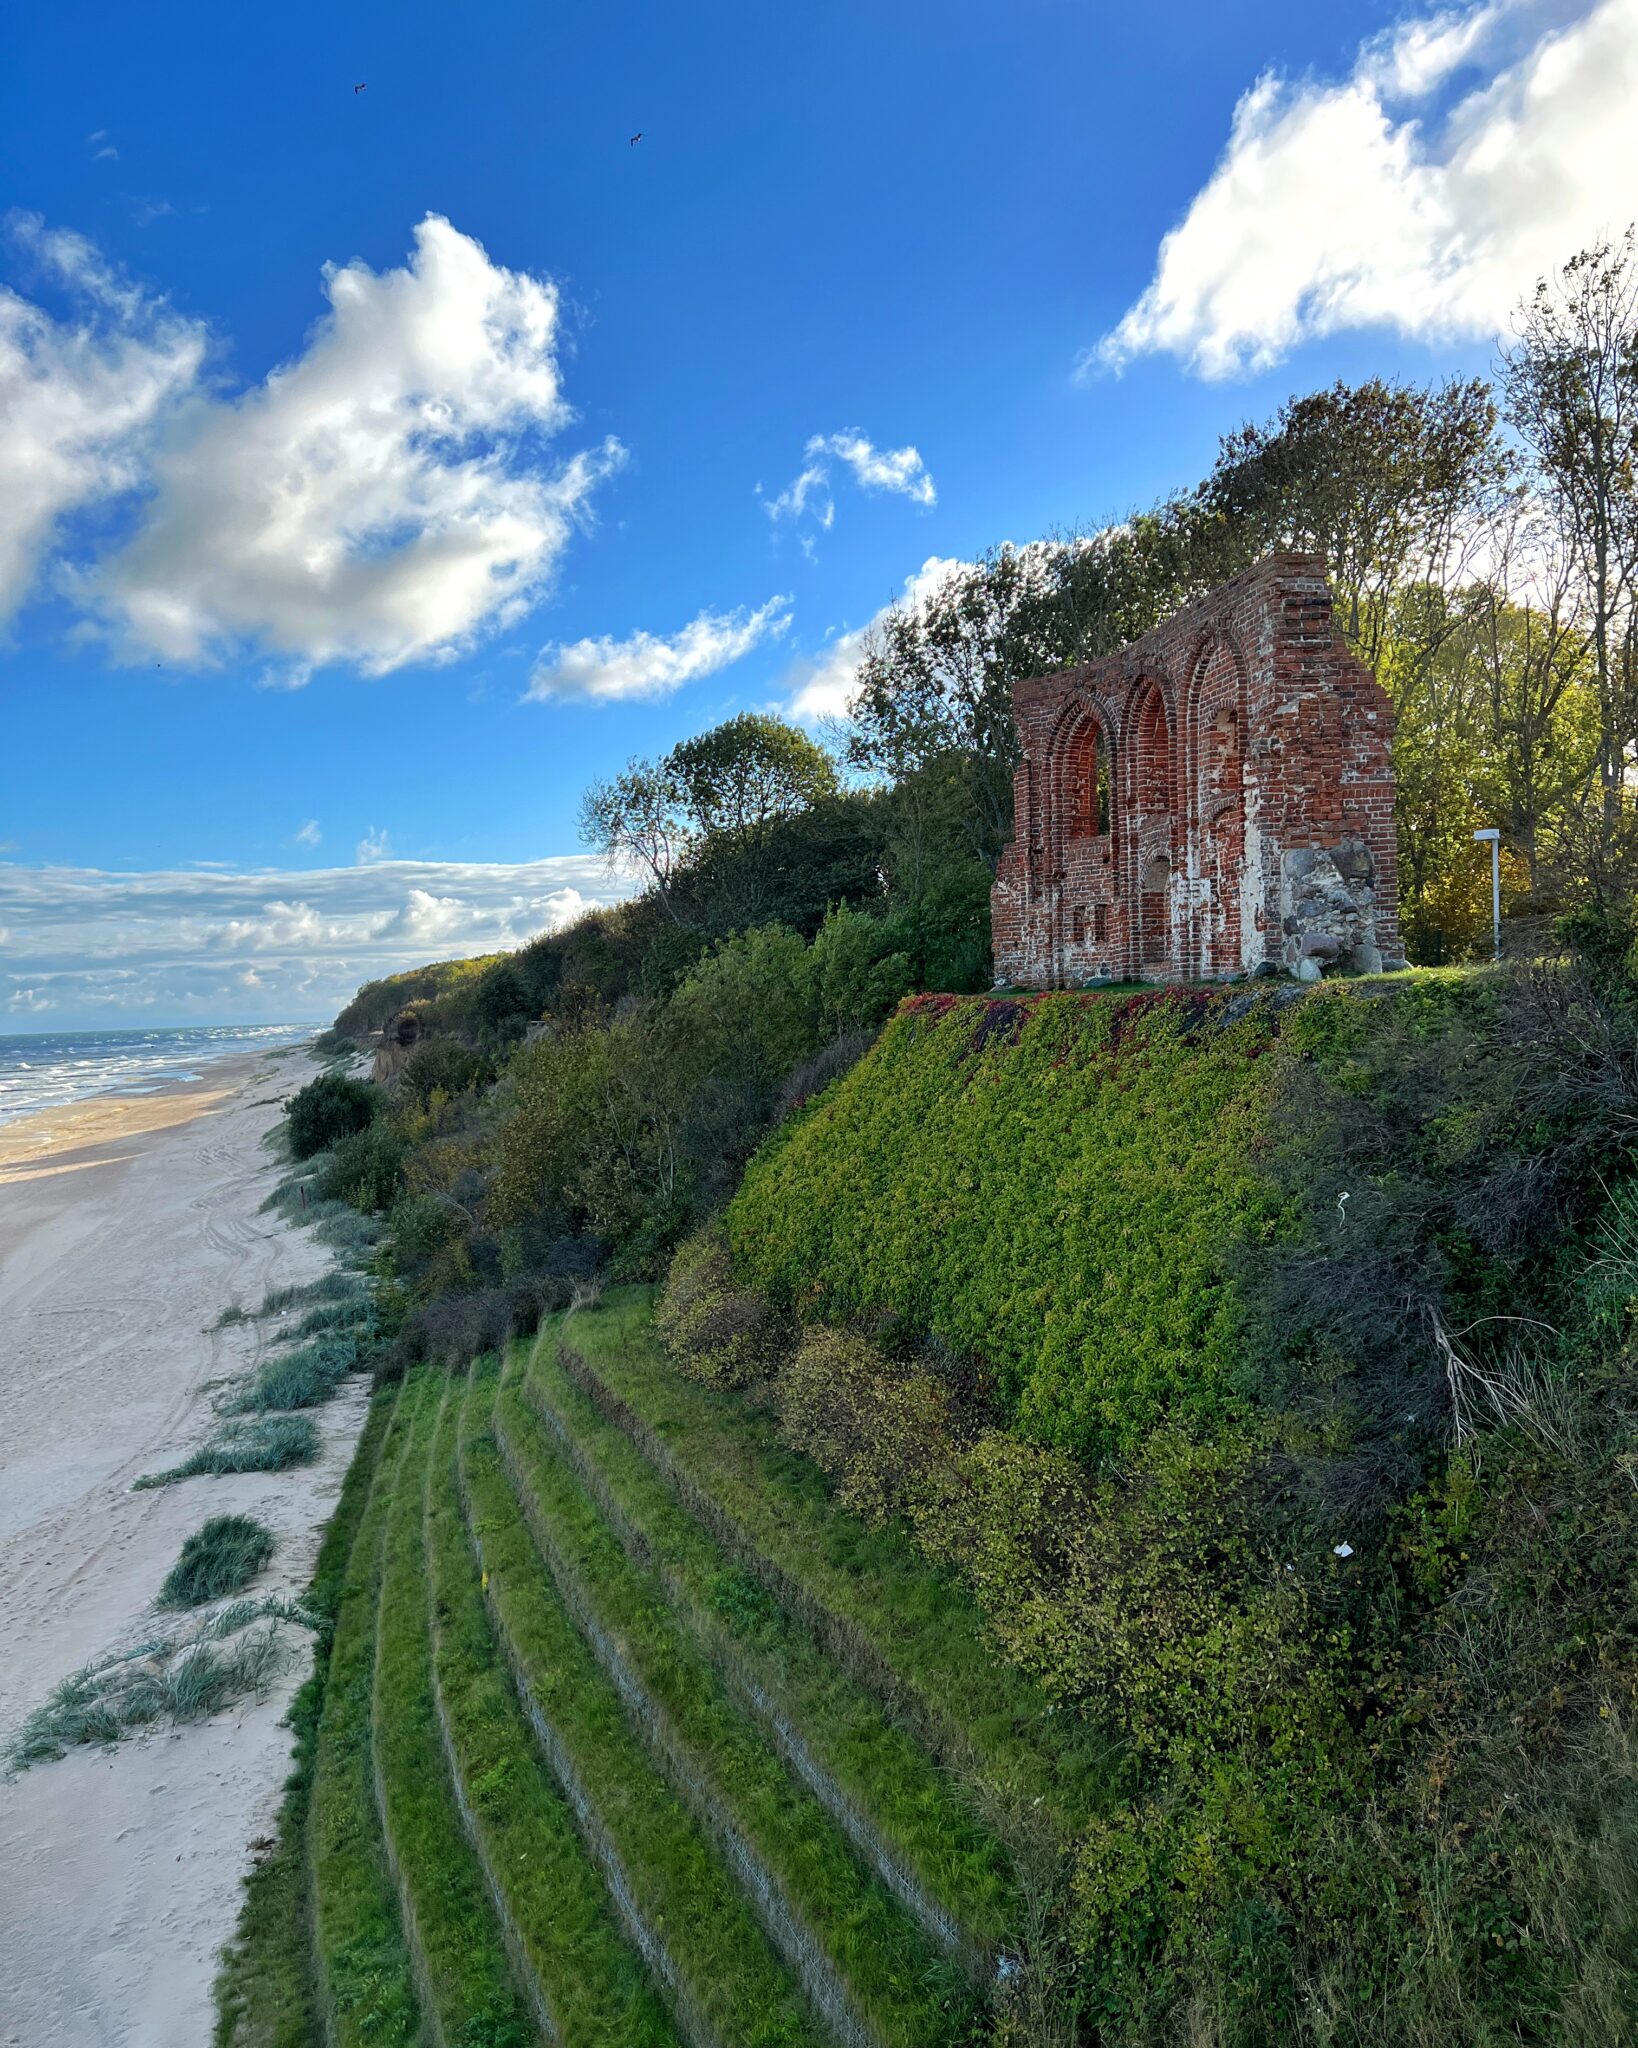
1491, 834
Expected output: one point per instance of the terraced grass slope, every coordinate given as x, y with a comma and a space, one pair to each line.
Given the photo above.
628, 1737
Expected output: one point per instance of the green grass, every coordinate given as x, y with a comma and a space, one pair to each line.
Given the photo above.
265, 1992
899, 1626
461, 1959
593, 1983
220, 1558
272, 1443
295, 1379
837, 1927
366, 1990
697, 1926
900, 1808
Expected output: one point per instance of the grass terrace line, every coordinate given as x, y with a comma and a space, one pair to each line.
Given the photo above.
584, 1766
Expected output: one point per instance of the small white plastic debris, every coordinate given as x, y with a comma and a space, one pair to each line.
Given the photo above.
1343, 1550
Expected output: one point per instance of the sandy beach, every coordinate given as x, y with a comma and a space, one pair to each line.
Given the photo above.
126, 1226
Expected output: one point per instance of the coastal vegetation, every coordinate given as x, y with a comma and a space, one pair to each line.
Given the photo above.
220, 1558
896, 1511
270, 1443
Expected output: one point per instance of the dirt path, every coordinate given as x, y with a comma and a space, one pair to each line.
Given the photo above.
125, 1229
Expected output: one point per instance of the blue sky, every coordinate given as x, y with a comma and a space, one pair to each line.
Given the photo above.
523, 496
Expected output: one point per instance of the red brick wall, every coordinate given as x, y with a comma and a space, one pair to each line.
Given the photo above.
1250, 779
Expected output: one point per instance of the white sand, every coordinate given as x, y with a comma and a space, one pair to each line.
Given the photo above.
125, 1228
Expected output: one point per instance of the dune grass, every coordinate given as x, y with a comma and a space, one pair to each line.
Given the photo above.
159, 1682
689, 1915
350, 1316
366, 1991
592, 1981
453, 1934
265, 1992
304, 1378
860, 1957
272, 1443
897, 1625
899, 1807
220, 1558
334, 1286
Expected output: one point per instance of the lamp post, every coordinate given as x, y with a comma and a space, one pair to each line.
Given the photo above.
1491, 834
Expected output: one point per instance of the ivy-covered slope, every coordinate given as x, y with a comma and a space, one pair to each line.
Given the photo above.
1056, 1186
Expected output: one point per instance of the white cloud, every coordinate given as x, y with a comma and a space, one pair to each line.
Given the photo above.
652, 664
80, 396
821, 686
378, 500
372, 847
900, 470
308, 833
1372, 202
214, 945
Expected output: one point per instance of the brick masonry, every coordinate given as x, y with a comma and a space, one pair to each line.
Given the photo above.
1216, 798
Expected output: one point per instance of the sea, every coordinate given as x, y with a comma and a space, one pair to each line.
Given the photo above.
45, 1069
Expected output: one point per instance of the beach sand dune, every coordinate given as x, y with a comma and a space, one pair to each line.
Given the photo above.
126, 1227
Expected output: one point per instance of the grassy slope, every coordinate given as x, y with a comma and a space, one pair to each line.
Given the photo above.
901, 1809
266, 1993
725, 1980
591, 1981
912, 1624
455, 1942
838, 1927
367, 1996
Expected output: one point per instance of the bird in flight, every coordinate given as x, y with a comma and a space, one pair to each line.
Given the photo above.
361, 88
635, 139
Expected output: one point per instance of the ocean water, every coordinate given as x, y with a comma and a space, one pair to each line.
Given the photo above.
44, 1069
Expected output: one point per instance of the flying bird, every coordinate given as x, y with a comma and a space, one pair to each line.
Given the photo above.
635, 139
361, 88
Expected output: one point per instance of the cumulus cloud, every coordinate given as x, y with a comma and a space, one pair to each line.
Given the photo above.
900, 470
380, 499
1468, 152
81, 395
821, 686
218, 945
652, 664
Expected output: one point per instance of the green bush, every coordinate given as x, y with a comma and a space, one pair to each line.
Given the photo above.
1055, 1186
444, 1066
330, 1108
220, 1558
717, 1331
365, 1169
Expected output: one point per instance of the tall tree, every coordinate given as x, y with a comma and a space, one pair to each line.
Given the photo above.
1571, 385
720, 793
1394, 485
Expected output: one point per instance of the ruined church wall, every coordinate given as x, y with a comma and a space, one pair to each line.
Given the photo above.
1249, 799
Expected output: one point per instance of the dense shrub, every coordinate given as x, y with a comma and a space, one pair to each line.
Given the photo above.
1055, 1186
330, 1108
443, 1066
877, 1429
718, 1332
365, 1169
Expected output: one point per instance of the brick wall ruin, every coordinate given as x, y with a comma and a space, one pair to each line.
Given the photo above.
1214, 799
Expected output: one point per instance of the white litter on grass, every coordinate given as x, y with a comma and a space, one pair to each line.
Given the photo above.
1342, 1550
